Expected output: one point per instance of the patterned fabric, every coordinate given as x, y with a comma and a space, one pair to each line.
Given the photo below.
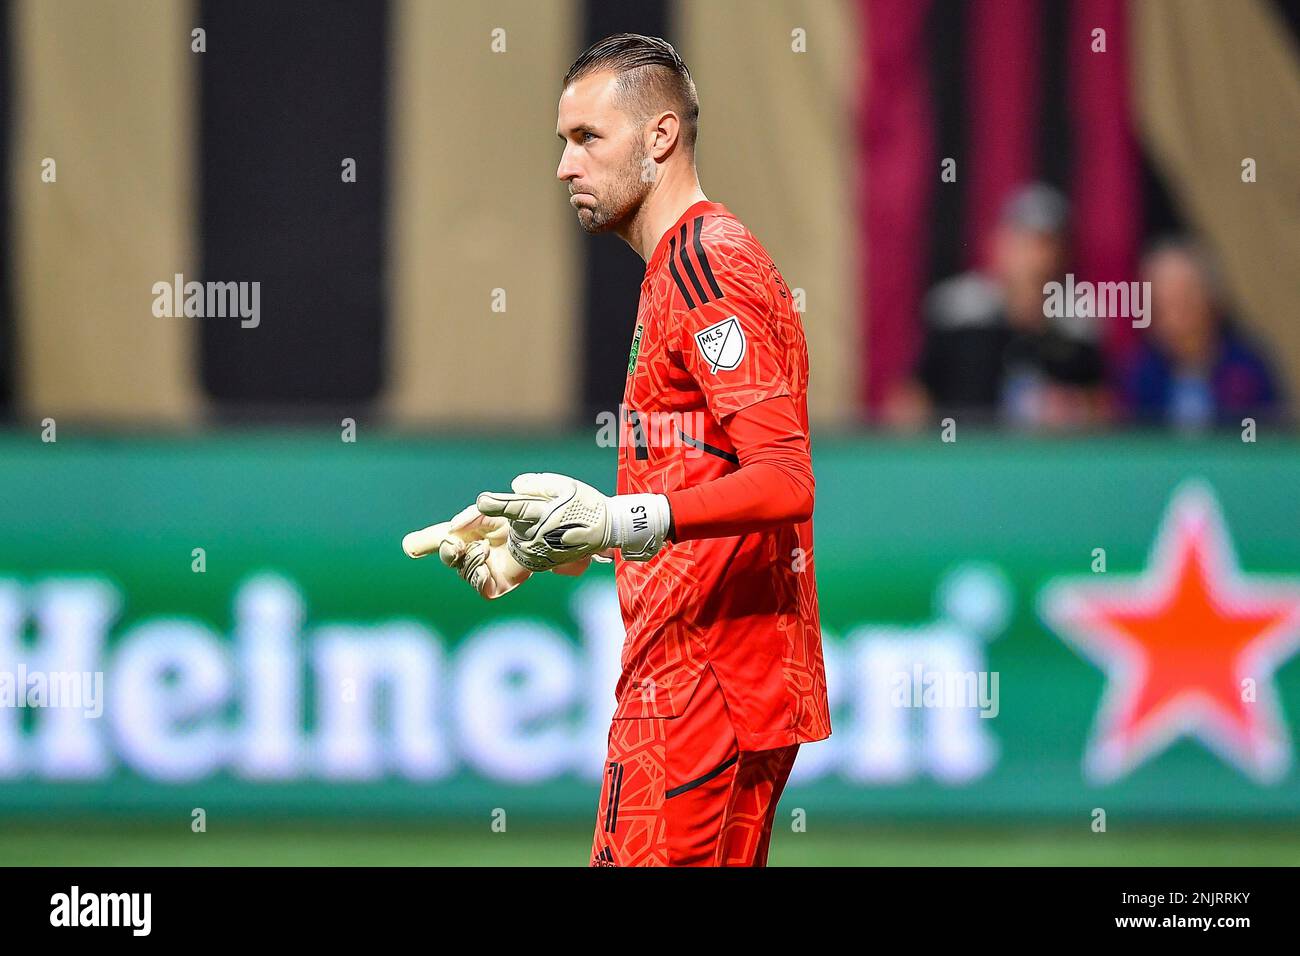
678, 792
716, 332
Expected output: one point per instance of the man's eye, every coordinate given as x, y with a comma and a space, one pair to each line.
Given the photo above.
587, 136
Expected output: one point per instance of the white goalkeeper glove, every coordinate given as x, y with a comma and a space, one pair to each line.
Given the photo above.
555, 520
475, 546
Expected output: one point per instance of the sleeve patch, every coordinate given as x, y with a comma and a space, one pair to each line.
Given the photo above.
722, 344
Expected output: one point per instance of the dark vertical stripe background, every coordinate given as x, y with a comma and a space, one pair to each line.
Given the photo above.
1289, 12
287, 92
947, 28
612, 272
7, 244
1159, 211
1054, 143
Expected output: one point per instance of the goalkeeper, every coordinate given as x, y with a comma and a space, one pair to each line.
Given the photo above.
711, 529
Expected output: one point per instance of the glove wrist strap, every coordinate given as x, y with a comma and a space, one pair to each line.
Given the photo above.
638, 525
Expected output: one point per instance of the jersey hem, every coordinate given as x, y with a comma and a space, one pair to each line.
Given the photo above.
776, 738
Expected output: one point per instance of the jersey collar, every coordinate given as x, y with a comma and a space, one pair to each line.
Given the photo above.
701, 208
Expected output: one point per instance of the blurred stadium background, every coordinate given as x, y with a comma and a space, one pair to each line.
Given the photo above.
206, 511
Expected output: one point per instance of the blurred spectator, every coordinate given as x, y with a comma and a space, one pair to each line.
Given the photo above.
990, 352
1195, 369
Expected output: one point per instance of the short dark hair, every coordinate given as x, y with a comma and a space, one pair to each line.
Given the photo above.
650, 74
1194, 251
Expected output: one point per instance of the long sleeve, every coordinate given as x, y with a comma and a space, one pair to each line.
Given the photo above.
773, 486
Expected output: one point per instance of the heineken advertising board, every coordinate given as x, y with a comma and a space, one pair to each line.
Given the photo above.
1013, 629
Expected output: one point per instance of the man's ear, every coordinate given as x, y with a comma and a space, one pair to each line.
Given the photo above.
666, 132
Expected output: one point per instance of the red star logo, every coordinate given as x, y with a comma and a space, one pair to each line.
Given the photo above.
1189, 647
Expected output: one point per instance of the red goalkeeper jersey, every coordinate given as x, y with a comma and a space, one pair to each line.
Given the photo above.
716, 332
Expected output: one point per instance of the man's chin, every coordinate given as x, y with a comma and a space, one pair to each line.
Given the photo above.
592, 224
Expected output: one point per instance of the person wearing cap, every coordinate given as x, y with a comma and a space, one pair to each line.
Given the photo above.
990, 352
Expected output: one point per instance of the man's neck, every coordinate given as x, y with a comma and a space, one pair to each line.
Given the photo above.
669, 198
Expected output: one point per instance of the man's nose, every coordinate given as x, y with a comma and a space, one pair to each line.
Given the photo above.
568, 169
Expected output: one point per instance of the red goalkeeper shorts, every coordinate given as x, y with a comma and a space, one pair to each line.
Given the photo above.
677, 791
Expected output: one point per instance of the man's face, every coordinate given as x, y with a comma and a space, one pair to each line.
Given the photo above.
1181, 303
604, 154
1023, 261
1026, 256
